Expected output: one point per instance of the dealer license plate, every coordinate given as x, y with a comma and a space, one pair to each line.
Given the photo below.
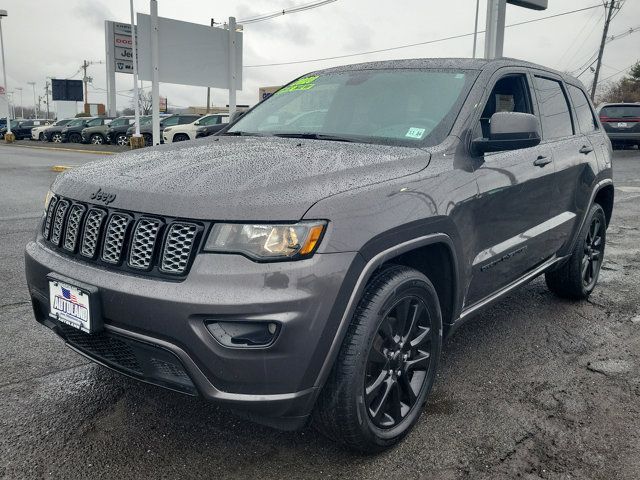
70, 305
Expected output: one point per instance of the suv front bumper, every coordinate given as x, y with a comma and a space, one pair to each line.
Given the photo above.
169, 318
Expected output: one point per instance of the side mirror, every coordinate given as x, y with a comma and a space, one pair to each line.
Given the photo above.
509, 131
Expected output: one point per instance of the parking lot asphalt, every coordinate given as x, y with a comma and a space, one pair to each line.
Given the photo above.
535, 387
66, 147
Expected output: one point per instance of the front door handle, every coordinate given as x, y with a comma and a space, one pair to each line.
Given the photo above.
541, 161
585, 149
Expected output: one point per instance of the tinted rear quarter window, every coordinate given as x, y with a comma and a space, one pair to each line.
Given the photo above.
584, 113
554, 109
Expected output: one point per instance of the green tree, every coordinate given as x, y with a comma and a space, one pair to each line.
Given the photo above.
627, 89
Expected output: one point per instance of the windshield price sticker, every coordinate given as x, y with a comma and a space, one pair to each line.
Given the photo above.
306, 83
415, 133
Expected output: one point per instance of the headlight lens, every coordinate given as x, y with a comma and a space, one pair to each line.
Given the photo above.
266, 242
167, 129
47, 199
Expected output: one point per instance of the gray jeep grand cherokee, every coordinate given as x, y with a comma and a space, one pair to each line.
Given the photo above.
306, 263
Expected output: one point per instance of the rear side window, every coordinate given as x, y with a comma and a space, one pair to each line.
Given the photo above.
621, 111
584, 113
554, 109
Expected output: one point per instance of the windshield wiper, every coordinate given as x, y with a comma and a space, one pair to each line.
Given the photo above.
314, 136
239, 133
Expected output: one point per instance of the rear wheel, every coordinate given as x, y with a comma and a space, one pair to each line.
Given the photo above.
577, 278
41, 137
387, 364
97, 139
75, 138
56, 138
180, 137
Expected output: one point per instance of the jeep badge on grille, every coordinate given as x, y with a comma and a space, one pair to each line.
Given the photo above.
105, 197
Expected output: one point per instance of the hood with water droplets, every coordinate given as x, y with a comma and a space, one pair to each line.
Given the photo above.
238, 178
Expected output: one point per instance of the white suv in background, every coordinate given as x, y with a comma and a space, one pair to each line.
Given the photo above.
188, 131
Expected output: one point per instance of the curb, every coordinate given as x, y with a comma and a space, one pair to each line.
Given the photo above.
77, 150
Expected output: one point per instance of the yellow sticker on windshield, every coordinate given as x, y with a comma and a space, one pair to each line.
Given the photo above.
415, 133
306, 83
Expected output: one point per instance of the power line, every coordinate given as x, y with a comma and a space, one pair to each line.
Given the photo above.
279, 13
428, 42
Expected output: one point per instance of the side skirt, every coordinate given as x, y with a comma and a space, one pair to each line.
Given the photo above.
470, 312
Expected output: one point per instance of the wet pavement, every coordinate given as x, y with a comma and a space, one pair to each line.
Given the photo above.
536, 387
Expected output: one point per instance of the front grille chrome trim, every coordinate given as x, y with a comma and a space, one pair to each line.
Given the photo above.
58, 222
114, 238
74, 222
92, 232
143, 243
178, 246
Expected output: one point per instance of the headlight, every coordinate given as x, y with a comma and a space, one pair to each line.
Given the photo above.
167, 129
266, 242
200, 129
47, 199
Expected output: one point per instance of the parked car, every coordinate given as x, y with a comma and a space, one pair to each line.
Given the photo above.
621, 122
73, 131
117, 131
99, 134
146, 129
54, 133
22, 128
312, 275
189, 131
37, 133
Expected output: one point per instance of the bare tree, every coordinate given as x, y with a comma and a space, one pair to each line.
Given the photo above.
144, 102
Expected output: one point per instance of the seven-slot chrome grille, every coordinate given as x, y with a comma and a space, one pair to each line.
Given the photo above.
127, 241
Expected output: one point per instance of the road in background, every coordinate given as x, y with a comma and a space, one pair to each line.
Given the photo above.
536, 387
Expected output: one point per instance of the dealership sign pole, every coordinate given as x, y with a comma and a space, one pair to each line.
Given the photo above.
232, 67
496, 13
155, 74
136, 101
3, 13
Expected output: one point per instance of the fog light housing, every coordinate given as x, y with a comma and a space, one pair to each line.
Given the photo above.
244, 334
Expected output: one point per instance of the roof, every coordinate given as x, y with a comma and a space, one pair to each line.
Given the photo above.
444, 63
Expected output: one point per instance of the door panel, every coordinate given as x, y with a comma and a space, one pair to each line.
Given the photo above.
511, 212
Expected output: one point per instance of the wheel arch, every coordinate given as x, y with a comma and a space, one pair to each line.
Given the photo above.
604, 197
439, 247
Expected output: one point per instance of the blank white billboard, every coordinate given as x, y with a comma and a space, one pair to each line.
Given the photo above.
190, 53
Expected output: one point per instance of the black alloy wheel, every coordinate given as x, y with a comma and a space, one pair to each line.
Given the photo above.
578, 275
398, 362
593, 253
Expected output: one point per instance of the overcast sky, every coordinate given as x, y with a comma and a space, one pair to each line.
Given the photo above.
51, 38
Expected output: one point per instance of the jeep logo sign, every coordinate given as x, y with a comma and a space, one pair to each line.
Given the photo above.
104, 197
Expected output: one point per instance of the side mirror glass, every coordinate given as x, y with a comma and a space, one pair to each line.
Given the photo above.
509, 131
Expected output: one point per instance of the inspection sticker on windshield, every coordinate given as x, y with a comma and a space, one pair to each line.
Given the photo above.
306, 83
415, 133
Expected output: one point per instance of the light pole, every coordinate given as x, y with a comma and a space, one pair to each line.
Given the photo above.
21, 107
3, 13
35, 105
136, 96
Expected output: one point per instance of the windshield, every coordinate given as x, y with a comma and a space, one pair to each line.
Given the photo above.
621, 111
405, 107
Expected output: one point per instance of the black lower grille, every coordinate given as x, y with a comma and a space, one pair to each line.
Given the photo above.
104, 347
141, 360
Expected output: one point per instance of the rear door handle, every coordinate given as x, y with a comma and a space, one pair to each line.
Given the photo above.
586, 149
541, 161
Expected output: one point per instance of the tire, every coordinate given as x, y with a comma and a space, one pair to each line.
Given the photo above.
96, 139
577, 278
365, 404
41, 137
122, 140
56, 138
180, 137
75, 138
148, 140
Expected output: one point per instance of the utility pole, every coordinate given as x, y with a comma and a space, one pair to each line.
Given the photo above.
85, 79
209, 88
46, 91
601, 51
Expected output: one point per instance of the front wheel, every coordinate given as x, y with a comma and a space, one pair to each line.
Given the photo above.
387, 364
56, 138
577, 278
75, 138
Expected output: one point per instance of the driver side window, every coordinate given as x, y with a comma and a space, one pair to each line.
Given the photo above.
510, 94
